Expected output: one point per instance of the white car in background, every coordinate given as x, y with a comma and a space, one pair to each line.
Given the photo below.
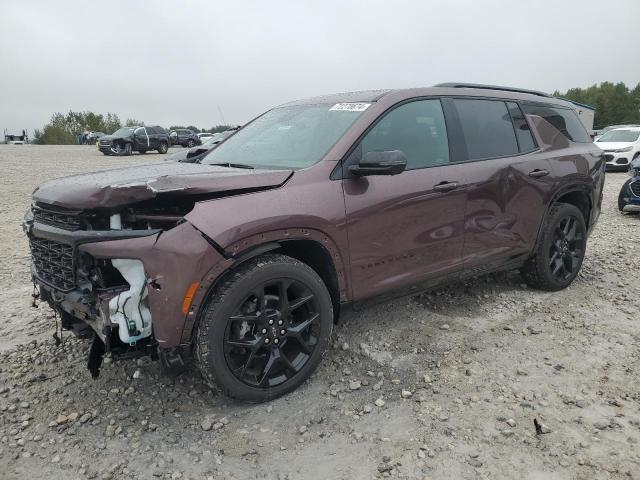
621, 146
205, 136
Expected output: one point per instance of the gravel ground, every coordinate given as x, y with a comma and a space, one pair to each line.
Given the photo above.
442, 385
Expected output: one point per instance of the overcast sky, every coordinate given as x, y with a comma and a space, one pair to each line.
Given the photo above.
184, 62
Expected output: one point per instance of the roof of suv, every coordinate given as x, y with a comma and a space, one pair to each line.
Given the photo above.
453, 89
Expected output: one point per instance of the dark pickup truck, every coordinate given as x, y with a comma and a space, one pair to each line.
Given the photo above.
140, 139
245, 259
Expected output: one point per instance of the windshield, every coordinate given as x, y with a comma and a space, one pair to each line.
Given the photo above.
287, 137
123, 132
620, 136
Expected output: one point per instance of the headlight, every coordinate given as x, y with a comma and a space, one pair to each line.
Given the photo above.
621, 150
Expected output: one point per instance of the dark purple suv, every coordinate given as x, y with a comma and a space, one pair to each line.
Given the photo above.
244, 260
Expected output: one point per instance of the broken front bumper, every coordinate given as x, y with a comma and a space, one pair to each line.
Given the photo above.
172, 260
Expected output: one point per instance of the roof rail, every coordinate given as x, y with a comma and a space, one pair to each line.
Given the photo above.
491, 87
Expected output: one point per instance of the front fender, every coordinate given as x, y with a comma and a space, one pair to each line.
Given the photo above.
173, 260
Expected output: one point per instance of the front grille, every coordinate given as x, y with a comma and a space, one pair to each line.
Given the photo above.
635, 188
608, 158
58, 218
53, 262
105, 142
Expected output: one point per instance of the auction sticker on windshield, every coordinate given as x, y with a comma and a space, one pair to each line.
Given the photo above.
350, 107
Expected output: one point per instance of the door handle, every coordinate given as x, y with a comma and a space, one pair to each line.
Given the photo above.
445, 186
537, 173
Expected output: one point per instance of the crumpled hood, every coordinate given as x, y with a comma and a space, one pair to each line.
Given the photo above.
123, 186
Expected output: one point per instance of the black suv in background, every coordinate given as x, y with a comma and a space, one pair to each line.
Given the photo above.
185, 137
139, 139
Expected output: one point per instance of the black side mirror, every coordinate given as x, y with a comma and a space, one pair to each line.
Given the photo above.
194, 152
390, 162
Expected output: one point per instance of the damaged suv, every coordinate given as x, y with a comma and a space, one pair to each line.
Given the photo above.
127, 140
244, 261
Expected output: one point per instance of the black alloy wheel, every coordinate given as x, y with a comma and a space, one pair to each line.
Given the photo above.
567, 249
273, 333
264, 329
560, 249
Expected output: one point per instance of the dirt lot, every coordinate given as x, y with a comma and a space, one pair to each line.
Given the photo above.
442, 385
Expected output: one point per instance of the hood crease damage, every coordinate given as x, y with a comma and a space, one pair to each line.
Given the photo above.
126, 186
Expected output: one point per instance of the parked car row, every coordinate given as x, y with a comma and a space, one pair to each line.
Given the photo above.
142, 139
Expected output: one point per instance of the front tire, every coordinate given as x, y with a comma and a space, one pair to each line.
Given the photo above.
265, 329
190, 144
560, 251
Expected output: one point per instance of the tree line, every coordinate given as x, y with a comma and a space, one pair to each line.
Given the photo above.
614, 103
63, 129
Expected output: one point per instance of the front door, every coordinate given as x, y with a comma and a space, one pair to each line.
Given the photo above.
408, 228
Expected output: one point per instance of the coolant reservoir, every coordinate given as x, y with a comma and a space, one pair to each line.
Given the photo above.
129, 308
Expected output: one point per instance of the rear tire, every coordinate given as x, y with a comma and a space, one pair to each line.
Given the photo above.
163, 147
190, 144
560, 251
256, 343
142, 152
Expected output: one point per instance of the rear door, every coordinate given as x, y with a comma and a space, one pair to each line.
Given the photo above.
407, 228
154, 137
509, 181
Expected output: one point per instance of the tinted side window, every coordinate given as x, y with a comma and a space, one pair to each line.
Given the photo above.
564, 119
417, 129
523, 133
151, 130
487, 128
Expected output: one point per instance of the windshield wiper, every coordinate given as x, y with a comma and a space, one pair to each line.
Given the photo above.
231, 165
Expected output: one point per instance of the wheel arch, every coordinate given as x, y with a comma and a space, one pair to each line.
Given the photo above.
308, 246
577, 195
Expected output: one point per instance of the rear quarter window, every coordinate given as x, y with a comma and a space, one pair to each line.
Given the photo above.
487, 128
563, 119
